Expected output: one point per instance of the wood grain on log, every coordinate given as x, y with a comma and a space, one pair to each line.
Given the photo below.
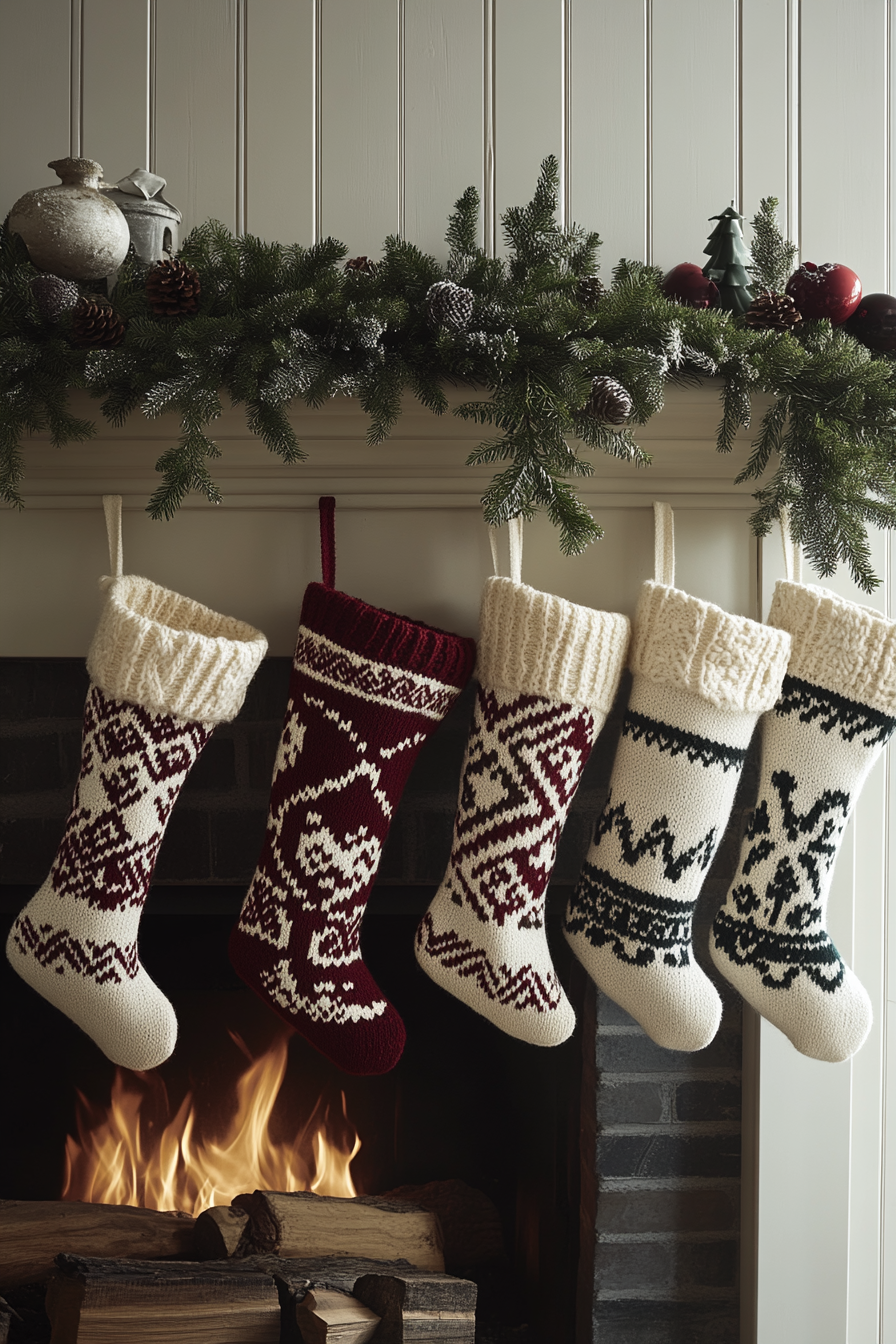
303, 1224
153, 1302
470, 1222
32, 1233
433, 1307
327, 1317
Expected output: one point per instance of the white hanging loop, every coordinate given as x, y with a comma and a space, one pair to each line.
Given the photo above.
112, 510
515, 538
663, 544
515, 535
793, 553
493, 543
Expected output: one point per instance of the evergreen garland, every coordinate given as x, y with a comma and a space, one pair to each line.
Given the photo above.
276, 323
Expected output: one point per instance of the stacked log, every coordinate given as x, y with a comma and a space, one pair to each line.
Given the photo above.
34, 1232
299, 1268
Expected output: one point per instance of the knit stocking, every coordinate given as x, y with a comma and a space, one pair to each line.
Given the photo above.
367, 689
837, 709
164, 670
701, 678
548, 671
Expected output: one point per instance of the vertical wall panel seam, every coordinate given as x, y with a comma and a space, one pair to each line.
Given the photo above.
316, 176
648, 132
882, 1275
888, 142
401, 184
241, 72
794, 124
76, 81
152, 49
565, 110
488, 117
739, 102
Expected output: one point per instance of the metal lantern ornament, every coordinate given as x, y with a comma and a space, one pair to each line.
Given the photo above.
154, 223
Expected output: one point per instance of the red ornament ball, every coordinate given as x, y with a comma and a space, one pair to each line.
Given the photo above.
874, 322
689, 285
830, 290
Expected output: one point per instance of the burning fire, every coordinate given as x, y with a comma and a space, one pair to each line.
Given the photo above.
120, 1157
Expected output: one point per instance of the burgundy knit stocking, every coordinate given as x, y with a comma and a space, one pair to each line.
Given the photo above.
367, 689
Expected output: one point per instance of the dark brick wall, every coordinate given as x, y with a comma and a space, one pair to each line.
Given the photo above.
662, 1151
660, 1131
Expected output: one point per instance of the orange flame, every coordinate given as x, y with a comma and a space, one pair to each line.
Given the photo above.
120, 1158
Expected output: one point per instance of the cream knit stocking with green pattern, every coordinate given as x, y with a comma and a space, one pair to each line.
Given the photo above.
701, 678
836, 710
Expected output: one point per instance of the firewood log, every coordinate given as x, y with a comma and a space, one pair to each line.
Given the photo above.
327, 1317
218, 1231
308, 1225
179, 1302
470, 1222
33, 1232
430, 1307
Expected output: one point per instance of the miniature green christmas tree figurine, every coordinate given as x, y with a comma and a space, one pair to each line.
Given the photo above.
728, 259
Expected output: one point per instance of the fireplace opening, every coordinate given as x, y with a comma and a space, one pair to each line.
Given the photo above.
614, 1165
465, 1103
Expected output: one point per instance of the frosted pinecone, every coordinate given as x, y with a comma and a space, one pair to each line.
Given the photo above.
54, 296
449, 306
609, 401
590, 290
369, 331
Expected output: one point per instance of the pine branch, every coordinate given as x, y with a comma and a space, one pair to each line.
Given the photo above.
773, 255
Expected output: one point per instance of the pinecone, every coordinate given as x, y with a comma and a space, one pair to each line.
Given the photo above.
772, 312
449, 306
361, 266
173, 289
590, 290
54, 296
609, 401
95, 323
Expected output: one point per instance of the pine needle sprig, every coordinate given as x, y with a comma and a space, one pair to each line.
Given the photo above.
774, 256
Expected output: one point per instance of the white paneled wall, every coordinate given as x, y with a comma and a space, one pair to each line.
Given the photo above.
297, 119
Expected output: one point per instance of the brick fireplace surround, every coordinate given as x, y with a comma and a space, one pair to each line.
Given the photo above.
653, 1188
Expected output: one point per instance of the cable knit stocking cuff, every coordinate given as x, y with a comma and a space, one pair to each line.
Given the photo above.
537, 644
838, 645
171, 655
730, 661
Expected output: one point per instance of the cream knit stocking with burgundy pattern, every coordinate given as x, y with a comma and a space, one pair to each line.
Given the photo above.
548, 671
164, 671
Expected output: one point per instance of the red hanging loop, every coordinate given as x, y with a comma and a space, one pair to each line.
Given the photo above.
327, 507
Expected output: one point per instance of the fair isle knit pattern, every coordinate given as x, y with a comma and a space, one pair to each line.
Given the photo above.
701, 677
548, 673
367, 689
836, 711
76, 940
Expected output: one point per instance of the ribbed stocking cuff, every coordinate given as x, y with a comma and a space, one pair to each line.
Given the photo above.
538, 644
386, 638
172, 655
